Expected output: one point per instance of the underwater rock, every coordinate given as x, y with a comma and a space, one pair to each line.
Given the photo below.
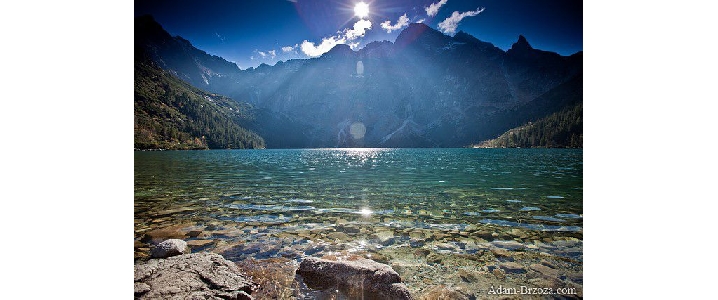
362, 277
338, 236
169, 248
546, 271
199, 243
512, 267
446, 292
191, 276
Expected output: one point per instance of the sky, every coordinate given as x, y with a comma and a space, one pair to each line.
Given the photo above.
251, 32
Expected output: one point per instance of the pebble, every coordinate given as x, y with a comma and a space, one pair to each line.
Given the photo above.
544, 270
199, 243
512, 267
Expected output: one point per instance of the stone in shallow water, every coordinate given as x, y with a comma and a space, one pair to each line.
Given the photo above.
199, 243
512, 267
169, 248
467, 276
446, 292
362, 277
384, 237
511, 245
170, 232
191, 276
547, 271
338, 236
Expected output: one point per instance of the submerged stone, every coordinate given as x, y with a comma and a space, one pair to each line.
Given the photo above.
199, 243
358, 278
512, 267
446, 292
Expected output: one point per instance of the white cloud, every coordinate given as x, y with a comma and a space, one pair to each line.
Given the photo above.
287, 49
262, 53
358, 30
311, 50
273, 53
401, 23
421, 21
433, 9
448, 26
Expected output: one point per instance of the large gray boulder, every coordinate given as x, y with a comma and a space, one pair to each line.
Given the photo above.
363, 278
169, 248
191, 276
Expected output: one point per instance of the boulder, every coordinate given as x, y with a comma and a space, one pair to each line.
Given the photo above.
169, 248
191, 276
361, 278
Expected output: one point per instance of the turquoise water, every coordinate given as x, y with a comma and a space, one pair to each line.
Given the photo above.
281, 194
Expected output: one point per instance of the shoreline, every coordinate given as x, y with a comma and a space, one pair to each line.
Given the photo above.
433, 265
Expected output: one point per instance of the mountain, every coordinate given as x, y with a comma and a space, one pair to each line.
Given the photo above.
178, 56
563, 129
171, 114
426, 89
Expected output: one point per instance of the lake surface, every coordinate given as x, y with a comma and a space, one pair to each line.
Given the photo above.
293, 203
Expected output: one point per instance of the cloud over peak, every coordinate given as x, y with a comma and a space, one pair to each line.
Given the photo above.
312, 50
358, 30
401, 23
449, 25
433, 8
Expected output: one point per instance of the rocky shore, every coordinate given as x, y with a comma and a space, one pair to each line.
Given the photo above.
341, 264
171, 274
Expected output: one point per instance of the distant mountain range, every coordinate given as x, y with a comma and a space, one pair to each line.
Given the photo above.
426, 89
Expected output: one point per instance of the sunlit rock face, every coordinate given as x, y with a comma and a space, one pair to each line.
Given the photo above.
426, 89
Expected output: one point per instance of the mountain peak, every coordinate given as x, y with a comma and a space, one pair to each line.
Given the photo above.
411, 33
521, 44
339, 50
420, 31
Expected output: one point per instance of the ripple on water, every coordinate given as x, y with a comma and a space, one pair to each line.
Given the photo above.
538, 227
490, 210
300, 201
513, 201
266, 218
472, 213
335, 210
529, 208
266, 207
554, 197
569, 216
547, 218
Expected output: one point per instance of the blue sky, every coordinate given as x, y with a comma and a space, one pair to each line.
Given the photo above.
251, 32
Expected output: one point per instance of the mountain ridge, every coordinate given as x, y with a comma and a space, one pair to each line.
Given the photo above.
448, 89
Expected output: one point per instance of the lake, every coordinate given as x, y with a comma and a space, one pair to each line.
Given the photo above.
475, 210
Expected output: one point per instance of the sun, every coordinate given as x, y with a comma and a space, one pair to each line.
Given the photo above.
361, 10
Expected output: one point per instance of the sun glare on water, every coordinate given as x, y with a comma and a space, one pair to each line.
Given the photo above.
361, 10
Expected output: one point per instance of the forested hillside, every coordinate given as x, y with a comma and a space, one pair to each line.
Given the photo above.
171, 114
563, 129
